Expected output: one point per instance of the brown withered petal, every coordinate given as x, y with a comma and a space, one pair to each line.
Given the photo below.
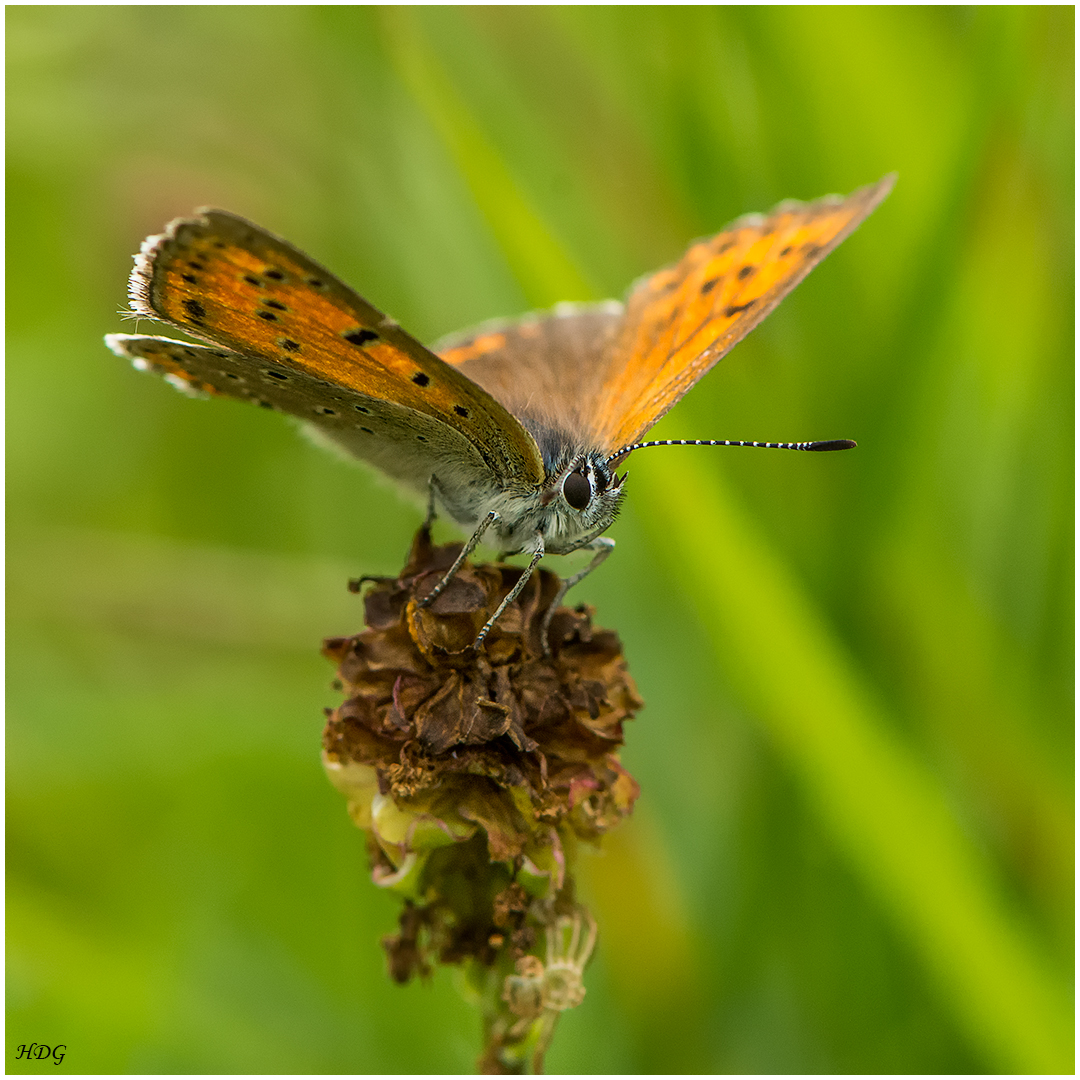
403, 954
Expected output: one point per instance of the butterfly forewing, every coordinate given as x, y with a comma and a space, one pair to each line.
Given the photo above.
226, 281
682, 320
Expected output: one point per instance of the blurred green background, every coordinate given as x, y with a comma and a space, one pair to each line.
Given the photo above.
853, 850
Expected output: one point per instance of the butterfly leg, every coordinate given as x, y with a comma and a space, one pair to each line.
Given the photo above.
429, 517
466, 551
603, 546
512, 595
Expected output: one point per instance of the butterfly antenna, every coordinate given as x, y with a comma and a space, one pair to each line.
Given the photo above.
817, 447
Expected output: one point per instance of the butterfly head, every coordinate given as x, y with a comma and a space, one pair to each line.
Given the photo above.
580, 499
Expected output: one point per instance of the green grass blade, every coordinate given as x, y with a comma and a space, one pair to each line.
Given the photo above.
544, 268
884, 808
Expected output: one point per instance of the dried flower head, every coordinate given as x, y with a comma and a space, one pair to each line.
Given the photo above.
475, 772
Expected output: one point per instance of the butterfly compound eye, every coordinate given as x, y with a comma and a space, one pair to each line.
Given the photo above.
577, 490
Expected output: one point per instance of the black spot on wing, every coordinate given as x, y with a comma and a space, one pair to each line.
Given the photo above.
252, 280
786, 252
709, 286
274, 275
461, 411
289, 345
734, 309
269, 316
276, 305
745, 272
360, 336
196, 312
191, 279
421, 379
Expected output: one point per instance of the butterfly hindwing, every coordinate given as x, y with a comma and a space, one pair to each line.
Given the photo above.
224, 280
547, 368
407, 445
682, 320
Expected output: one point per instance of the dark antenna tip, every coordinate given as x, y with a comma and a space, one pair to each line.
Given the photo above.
833, 444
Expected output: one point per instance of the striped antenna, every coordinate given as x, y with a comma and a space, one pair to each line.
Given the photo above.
829, 444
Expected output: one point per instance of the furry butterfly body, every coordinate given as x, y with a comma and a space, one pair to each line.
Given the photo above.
515, 427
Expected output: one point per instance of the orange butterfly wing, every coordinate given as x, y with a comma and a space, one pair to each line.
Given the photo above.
224, 280
547, 368
680, 321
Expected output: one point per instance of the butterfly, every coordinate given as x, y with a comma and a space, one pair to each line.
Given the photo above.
517, 427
